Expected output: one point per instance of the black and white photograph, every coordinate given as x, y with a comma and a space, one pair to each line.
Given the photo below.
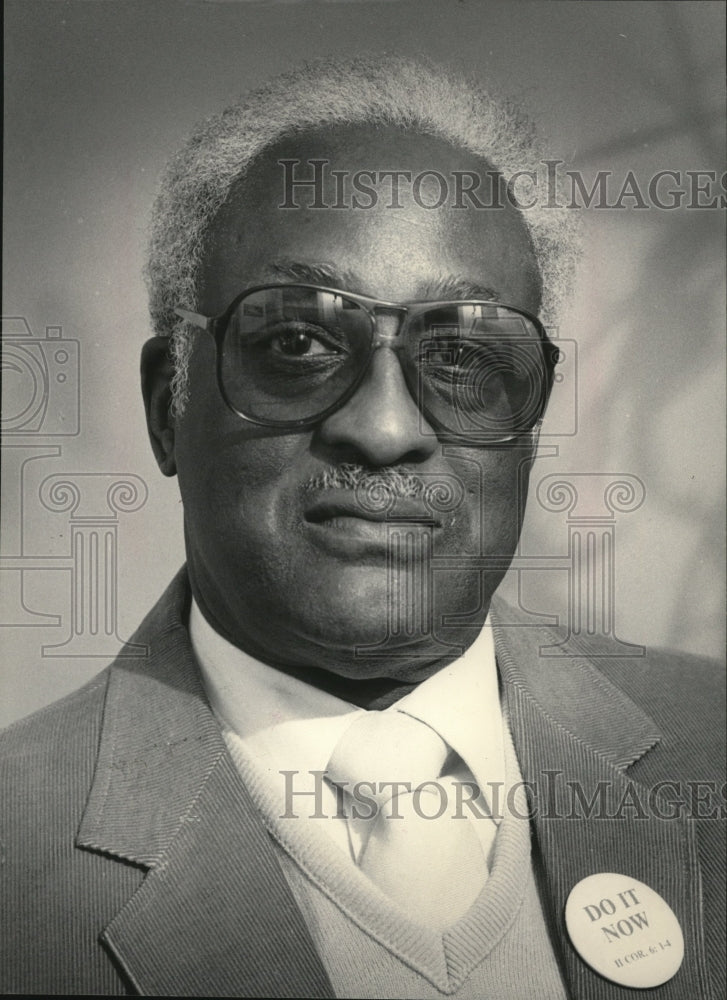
362, 554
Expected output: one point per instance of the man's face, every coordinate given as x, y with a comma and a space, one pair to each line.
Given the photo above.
286, 565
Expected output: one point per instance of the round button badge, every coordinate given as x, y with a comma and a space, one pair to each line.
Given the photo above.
624, 930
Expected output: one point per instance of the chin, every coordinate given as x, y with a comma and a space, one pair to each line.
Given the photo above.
349, 618
358, 627
377, 655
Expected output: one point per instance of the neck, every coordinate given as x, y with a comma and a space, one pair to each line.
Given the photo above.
375, 692
369, 693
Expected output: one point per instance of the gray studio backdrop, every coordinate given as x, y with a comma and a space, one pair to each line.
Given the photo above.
99, 93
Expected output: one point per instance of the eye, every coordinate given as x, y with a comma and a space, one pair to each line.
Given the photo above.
299, 340
297, 343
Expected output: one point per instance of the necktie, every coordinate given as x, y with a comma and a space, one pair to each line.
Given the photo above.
411, 836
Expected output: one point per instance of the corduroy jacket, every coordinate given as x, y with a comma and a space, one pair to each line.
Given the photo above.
134, 860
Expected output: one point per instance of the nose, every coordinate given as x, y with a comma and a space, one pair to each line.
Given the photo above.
381, 424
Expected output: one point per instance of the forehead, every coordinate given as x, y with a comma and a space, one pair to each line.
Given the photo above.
386, 214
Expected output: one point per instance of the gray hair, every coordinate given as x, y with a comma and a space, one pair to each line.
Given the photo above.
408, 94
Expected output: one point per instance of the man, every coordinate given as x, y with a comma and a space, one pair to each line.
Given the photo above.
312, 785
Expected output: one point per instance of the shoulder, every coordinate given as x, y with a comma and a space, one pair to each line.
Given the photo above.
58, 727
682, 693
47, 760
47, 763
684, 696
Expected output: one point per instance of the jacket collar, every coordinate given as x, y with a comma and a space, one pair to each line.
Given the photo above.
569, 690
576, 735
215, 915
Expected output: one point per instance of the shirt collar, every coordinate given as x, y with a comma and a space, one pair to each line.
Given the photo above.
462, 703
286, 723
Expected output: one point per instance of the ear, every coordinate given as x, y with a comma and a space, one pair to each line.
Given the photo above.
535, 438
157, 369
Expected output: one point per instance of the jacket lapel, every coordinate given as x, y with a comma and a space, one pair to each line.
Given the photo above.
575, 735
214, 915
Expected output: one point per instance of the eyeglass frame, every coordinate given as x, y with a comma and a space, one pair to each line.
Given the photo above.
217, 327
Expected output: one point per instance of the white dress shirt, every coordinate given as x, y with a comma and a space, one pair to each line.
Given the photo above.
282, 724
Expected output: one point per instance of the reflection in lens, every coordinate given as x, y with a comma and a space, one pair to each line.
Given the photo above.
480, 370
291, 352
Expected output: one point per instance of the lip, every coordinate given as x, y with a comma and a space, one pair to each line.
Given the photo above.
348, 506
340, 523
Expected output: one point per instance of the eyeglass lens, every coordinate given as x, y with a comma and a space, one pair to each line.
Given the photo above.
292, 352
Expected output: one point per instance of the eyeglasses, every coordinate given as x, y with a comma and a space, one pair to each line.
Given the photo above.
288, 356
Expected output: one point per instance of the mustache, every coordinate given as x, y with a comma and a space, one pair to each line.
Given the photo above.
395, 481
379, 489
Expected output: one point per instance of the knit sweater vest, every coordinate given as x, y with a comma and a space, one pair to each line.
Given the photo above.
499, 950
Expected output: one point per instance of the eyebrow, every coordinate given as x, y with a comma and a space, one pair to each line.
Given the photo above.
311, 273
450, 287
442, 287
